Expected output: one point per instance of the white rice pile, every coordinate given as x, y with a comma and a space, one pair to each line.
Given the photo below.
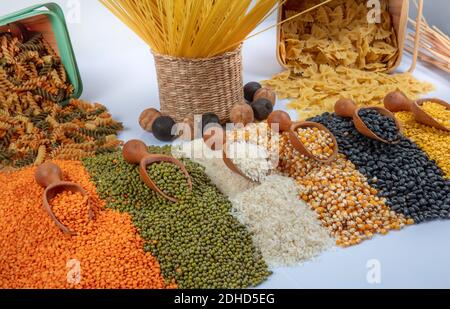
250, 159
285, 229
226, 181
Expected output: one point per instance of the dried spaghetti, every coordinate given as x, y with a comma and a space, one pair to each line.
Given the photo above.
191, 28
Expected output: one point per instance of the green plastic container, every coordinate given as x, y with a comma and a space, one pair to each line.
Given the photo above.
49, 20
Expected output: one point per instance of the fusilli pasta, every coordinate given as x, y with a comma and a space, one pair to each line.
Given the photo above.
35, 125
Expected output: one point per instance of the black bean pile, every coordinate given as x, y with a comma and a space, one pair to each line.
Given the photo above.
197, 241
383, 126
412, 184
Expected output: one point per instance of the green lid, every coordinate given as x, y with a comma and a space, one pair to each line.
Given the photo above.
50, 21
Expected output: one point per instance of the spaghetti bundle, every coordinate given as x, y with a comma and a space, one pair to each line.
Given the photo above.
191, 28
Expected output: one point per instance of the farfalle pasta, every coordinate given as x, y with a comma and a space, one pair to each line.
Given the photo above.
333, 52
336, 34
322, 86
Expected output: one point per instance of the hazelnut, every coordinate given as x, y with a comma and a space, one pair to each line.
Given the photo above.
242, 113
147, 118
266, 93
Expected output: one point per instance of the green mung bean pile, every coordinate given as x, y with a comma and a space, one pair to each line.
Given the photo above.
198, 243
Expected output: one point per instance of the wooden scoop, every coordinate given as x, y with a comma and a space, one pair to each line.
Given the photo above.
397, 101
299, 146
423, 117
49, 175
348, 108
135, 152
284, 123
230, 164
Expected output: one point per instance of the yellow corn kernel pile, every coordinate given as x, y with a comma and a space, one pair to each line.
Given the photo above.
435, 142
318, 142
341, 196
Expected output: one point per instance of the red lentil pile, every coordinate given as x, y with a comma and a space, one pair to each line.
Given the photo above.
36, 254
72, 210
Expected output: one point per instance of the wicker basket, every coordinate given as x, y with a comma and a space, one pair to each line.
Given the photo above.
189, 87
399, 10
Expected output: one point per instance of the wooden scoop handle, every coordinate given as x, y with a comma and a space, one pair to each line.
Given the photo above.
47, 174
345, 108
397, 101
135, 152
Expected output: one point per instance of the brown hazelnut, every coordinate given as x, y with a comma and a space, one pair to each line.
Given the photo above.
147, 118
242, 113
266, 93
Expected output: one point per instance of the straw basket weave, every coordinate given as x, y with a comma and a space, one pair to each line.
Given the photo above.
189, 87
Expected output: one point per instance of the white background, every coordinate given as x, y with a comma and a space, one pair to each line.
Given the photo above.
435, 12
118, 70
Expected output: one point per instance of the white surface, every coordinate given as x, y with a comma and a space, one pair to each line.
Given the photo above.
117, 70
435, 11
